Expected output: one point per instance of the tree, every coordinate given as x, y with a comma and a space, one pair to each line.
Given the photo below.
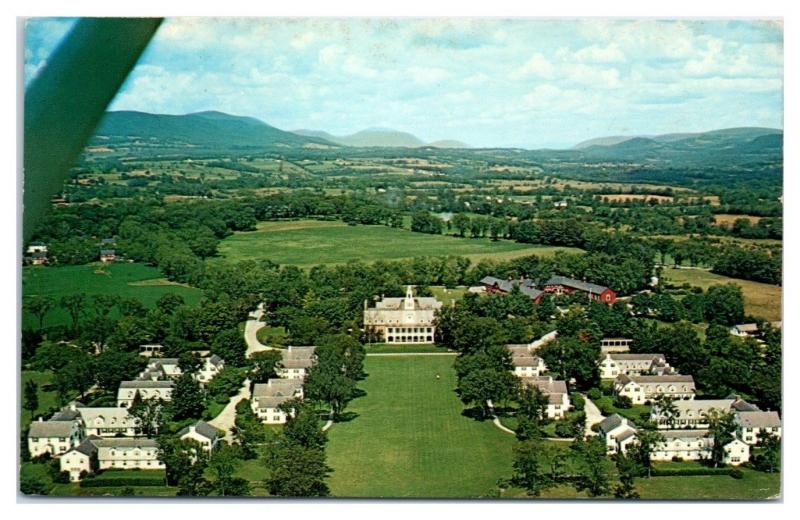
327, 380
721, 429
666, 408
222, 465
530, 469
570, 357
768, 459
150, 415
488, 384
30, 398
265, 365
628, 469
595, 468
39, 305
185, 462
248, 431
302, 426
296, 471
113, 366
230, 346
724, 304
188, 398
73, 304
169, 303
531, 412
642, 449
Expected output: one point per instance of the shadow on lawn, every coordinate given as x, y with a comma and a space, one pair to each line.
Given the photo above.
475, 413
346, 417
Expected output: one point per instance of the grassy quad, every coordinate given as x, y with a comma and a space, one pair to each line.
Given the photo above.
126, 280
310, 242
409, 438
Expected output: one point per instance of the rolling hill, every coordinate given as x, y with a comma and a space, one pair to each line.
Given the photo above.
207, 129
380, 137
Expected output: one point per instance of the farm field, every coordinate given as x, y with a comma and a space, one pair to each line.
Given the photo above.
410, 439
760, 299
137, 281
307, 243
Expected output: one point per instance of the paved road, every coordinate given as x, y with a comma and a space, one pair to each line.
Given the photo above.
251, 328
593, 415
227, 417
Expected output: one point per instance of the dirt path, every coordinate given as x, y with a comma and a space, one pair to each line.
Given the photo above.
227, 417
251, 328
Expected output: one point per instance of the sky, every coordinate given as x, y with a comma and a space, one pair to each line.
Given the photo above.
527, 83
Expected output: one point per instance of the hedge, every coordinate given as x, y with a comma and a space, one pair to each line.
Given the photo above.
689, 472
118, 482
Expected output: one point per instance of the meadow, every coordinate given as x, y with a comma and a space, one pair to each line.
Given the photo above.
124, 280
760, 299
307, 243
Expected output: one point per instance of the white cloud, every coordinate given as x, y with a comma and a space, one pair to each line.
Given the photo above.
428, 75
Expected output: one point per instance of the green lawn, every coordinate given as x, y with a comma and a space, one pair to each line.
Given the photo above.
311, 242
125, 280
755, 485
448, 296
606, 404
409, 438
389, 348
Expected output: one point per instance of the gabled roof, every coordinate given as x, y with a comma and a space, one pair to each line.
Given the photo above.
669, 378
65, 415
87, 447
759, 419
611, 422
147, 384
50, 429
630, 432
576, 284
634, 357
202, 428
125, 442
215, 360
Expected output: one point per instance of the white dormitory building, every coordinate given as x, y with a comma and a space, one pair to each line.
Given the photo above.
618, 433
161, 369
526, 363
53, 437
267, 397
129, 390
558, 402
613, 364
295, 362
751, 424
96, 453
202, 433
693, 413
643, 389
403, 320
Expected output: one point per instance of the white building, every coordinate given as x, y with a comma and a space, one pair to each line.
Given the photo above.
203, 433
618, 433
696, 445
160, 369
296, 361
558, 402
267, 397
53, 437
128, 390
751, 424
641, 389
613, 364
692, 413
403, 320
108, 422
210, 368
150, 350
526, 363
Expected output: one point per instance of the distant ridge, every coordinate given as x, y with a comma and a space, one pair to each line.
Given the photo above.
739, 133
380, 137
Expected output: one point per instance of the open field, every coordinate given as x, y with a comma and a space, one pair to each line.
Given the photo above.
309, 242
760, 299
409, 438
48, 397
123, 280
721, 218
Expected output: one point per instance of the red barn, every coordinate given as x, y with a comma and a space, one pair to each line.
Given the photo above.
564, 285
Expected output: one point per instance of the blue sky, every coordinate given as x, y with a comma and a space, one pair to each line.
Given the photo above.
488, 82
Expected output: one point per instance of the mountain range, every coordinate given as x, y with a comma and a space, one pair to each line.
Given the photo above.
379, 137
209, 131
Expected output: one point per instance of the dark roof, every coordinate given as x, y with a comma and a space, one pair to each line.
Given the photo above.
576, 284
610, 422
146, 384
39, 254
204, 429
105, 252
65, 415
87, 447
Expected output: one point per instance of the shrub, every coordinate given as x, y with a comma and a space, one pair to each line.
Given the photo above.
119, 482
578, 402
677, 459
62, 477
608, 390
596, 427
594, 394
690, 472
622, 401
563, 429
737, 474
